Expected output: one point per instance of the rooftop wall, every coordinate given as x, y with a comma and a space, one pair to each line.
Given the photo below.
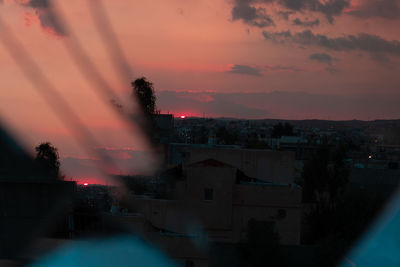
267, 195
266, 165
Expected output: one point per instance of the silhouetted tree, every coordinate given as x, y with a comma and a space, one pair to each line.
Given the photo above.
137, 184
144, 91
315, 174
325, 174
203, 135
280, 129
47, 159
336, 229
226, 137
339, 173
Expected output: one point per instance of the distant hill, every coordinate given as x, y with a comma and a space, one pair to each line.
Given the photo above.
322, 124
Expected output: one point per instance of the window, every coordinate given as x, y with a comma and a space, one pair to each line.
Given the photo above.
208, 194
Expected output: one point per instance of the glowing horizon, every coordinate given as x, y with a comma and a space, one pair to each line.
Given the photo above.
243, 59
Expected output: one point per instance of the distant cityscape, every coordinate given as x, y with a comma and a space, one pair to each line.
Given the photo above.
233, 192
237, 133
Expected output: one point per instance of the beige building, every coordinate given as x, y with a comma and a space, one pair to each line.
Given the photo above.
267, 165
215, 201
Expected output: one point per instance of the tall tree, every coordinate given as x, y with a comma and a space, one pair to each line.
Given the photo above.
325, 175
48, 160
143, 90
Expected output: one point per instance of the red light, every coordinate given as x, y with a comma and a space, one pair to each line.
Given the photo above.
85, 184
183, 116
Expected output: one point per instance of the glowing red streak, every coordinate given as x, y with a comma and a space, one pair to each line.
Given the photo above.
85, 184
183, 116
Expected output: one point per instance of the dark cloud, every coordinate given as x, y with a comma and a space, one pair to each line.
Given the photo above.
277, 37
243, 9
321, 57
250, 15
244, 69
48, 20
305, 23
290, 105
280, 68
38, 3
332, 69
329, 8
257, 71
325, 59
253, 13
389, 9
363, 41
381, 58
285, 14
281, 104
193, 103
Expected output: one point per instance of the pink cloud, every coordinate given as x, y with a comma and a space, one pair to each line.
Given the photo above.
30, 19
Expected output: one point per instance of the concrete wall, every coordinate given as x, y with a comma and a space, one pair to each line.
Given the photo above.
280, 205
226, 217
252, 194
288, 227
267, 165
215, 214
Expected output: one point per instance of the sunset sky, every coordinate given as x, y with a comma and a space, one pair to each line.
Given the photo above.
289, 59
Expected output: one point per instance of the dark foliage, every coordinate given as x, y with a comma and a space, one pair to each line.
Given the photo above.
325, 174
138, 184
203, 135
47, 159
280, 130
226, 137
335, 229
257, 144
144, 92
